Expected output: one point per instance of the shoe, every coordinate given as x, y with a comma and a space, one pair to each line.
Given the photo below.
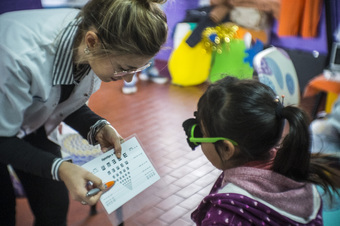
158, 79
129, 89
153, 75
143, 76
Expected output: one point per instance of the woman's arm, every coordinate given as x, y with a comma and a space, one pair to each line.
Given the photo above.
82, 119
22, 155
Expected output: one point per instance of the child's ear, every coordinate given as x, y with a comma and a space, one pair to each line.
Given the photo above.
228, 152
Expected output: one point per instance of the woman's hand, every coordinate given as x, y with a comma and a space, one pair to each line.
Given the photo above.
76, 179
109, 138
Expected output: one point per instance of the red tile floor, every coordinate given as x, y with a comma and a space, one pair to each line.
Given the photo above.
155, 114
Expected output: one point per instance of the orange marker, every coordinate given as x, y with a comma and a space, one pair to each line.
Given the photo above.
95, 191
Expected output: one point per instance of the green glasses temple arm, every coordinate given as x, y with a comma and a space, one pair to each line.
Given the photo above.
208, 139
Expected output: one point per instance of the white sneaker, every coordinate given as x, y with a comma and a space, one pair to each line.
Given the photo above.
143, 76
158, 79
154, 77
129, 89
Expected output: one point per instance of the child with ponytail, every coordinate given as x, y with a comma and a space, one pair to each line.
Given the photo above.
263, 148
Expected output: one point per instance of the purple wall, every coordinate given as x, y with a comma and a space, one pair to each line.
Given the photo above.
13, 5
175, 11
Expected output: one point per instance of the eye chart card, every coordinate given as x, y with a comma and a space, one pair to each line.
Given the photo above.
132, 174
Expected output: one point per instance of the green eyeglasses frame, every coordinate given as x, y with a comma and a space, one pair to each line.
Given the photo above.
197, 140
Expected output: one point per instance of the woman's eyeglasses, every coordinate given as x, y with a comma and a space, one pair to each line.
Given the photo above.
123, 73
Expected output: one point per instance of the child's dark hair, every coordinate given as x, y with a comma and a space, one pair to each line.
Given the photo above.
248, 112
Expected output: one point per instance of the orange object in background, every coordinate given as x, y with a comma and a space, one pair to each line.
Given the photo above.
299, 18
320, 83
256, 34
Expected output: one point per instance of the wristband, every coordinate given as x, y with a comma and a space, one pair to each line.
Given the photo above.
55, 167
91, 136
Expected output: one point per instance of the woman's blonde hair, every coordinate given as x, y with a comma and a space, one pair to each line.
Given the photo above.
136, 27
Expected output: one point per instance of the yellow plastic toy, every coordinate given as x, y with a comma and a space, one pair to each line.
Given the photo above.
189, 66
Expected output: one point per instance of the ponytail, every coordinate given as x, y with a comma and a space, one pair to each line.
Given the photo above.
292, 158
325, 171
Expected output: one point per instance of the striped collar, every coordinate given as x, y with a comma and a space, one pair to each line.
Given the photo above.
63, 65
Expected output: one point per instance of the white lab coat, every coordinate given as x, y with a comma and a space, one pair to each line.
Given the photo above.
28, 100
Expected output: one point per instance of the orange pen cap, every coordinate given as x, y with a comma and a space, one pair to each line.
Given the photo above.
109, 184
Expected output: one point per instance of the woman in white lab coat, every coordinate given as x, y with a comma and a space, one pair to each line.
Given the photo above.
51, 61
